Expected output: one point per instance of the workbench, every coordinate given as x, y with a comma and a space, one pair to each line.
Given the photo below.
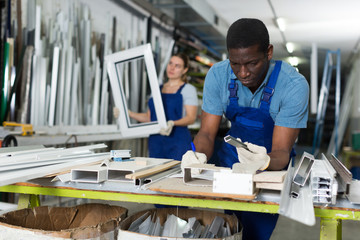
267, 201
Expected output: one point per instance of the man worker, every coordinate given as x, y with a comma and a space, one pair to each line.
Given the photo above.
266, 102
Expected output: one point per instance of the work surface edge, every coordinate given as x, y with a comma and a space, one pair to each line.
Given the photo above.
266, 202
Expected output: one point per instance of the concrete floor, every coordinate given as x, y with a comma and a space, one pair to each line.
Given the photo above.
289, 229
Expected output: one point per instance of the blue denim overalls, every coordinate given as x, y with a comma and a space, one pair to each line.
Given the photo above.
253, 125
179, 141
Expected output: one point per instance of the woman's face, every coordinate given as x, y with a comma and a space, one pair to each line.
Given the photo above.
175, 68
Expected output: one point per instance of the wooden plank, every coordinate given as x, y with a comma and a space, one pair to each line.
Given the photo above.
270, 176
152, 171
176, 185
270, 185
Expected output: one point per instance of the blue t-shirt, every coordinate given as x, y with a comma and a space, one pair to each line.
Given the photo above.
289, 104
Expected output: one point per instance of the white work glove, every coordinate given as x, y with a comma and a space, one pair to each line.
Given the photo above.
167, 130
257, 159
191, 157
116, 112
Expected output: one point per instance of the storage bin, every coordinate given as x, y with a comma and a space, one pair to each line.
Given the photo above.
203, 216
87, 221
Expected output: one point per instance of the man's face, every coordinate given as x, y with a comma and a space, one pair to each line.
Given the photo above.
250, 65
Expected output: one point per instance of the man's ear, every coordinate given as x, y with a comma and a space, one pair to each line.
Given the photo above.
270, 52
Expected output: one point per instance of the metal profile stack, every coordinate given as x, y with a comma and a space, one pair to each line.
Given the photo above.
323, 182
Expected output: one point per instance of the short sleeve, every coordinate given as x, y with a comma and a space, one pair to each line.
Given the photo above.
189, 94
293, 112
211, 95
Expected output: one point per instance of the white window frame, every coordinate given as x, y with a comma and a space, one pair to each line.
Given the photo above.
128, 129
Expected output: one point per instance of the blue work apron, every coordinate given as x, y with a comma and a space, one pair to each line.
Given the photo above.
179, 141
256, 126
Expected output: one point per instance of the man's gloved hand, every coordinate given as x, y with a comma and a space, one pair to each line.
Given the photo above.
167, 130
191, 157
258, 157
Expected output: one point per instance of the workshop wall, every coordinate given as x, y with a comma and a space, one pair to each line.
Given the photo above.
70, 43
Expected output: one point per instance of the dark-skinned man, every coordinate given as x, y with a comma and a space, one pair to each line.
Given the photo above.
266, 102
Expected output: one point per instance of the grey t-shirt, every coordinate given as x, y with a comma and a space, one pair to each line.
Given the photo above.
189, 95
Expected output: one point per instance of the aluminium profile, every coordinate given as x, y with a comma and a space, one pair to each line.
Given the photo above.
344, 176
54, 83
303, 170
27, 174
200, 179
300, 209
89, 174
323, 182
215, 226
117, 171
301, 174
161, 175
134, 226
354, 194
157, 227
146, 226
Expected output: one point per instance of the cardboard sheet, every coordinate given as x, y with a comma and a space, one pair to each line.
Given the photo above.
80, 222
176, 185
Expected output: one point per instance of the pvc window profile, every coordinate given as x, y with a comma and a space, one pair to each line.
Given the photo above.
303, 170
118, 65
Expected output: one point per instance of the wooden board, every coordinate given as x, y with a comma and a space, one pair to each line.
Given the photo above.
152, 171
269, 185
176, 185
270, 176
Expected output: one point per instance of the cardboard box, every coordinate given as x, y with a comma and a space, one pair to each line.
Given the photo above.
204, 217
87, 221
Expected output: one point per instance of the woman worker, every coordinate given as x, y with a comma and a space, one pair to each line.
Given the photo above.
180, 106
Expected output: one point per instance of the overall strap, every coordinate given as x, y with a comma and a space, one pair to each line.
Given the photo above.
269, 88
233, 87
180, 88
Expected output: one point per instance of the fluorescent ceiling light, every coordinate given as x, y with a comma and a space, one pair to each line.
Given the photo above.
294, 61
290, 47
281, 24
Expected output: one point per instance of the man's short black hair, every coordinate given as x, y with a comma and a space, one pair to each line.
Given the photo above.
247, 32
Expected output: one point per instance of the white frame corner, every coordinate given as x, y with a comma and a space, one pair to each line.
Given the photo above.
127, 129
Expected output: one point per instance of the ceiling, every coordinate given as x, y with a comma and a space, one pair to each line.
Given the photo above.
330, 24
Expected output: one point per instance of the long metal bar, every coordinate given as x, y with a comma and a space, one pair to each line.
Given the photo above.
344, 175
337, 99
